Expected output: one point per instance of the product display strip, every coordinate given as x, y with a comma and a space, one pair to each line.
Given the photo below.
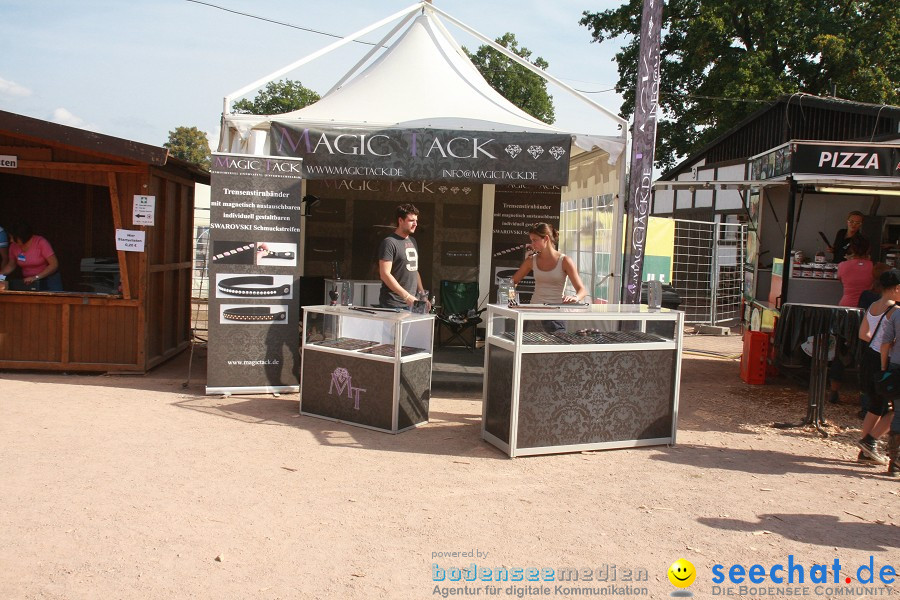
346, 344
250, 246
281, 255
233, 285
388, 350
609, 337
253, 313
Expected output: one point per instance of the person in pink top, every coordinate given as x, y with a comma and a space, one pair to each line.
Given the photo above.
35, 257
855, 272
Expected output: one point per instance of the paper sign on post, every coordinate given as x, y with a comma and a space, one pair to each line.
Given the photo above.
144, 209
130, 241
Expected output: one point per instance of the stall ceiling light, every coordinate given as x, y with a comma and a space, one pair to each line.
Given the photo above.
859, 190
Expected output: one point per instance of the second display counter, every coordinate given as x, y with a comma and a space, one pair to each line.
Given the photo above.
569, 379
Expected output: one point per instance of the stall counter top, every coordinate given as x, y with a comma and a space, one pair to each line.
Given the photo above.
368, 312
576, 311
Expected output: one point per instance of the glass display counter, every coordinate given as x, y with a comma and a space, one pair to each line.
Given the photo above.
367, 367
567, 379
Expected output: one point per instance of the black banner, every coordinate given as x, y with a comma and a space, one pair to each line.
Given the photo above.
642, 149
516, 209
841, 159
254, 307
425, 154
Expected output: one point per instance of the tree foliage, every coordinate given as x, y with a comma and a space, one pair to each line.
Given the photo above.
514, 82
718, 56
190, 144
276, 98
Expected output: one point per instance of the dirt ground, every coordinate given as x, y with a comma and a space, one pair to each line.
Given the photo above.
132, 487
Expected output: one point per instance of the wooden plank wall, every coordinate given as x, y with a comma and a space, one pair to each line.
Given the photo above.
68, 332
168, 299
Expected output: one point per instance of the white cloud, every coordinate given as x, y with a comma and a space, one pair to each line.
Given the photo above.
64, 117
11, 88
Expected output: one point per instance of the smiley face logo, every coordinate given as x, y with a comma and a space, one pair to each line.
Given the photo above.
682, 573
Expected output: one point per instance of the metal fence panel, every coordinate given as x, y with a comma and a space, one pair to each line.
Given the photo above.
707, 270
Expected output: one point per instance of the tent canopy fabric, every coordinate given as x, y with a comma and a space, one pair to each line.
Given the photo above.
423, 80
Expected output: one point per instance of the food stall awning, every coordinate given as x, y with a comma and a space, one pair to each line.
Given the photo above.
739, 184
849, 184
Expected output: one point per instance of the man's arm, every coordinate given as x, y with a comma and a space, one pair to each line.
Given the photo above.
384, 272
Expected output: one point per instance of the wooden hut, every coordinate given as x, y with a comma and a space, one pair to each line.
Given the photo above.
120, 311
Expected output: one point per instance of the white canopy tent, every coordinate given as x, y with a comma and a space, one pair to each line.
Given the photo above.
421, 79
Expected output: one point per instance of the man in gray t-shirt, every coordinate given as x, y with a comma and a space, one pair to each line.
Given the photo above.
398, 261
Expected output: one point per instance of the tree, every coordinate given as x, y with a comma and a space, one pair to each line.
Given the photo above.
277, 98
720, 59
190, 144
514, 82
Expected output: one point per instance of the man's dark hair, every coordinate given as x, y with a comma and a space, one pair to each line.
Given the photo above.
405, 210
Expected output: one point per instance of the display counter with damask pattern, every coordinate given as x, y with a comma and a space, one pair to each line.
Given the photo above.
366, 367
593, 377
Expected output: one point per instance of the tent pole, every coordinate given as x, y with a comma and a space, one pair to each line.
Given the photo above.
315, 55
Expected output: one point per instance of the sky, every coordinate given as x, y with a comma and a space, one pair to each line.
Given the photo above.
137, 69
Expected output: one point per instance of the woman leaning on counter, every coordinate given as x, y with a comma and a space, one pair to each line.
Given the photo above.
34, 255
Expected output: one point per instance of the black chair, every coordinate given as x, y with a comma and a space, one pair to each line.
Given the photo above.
458, 313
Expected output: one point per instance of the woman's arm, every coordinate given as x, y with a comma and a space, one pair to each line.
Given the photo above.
50, 269
569, 269
524, 270
888, 338
864, 334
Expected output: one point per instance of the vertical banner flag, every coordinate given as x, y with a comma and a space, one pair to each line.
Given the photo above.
642, 146
254, 306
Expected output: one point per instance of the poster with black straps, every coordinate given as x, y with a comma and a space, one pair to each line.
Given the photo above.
254, 233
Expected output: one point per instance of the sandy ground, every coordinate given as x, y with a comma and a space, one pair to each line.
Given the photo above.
132, 487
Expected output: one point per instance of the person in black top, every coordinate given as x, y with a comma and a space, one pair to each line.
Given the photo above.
842, 239
398, 261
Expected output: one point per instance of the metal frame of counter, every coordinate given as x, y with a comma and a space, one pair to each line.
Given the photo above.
365, 367
599, 385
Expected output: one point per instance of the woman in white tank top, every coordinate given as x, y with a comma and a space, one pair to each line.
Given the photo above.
550, 268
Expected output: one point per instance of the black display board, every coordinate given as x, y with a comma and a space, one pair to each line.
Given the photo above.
253, 263
516, 209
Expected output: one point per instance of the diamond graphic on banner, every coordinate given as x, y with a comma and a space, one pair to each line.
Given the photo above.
466, 190
535, 151
513, 150
443, 189
557, 151
454, 189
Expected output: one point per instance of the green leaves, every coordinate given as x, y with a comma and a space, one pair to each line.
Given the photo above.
190, 144
514, 82
276, 98
718, 56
